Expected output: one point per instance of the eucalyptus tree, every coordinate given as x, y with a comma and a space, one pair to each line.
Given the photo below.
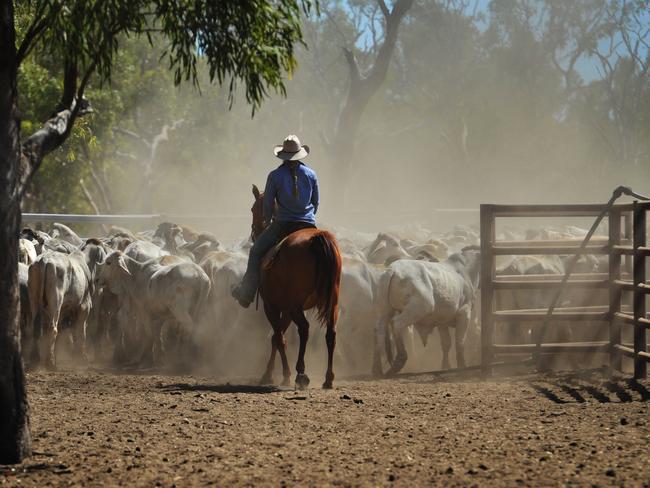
368, 34
247, 42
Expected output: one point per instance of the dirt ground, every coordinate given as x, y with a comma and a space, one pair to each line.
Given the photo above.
107, 429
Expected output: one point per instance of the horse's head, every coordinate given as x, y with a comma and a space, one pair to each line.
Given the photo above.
257, 210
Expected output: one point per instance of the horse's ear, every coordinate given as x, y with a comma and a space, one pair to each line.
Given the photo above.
256, 192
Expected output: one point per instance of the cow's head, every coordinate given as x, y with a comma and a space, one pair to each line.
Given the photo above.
112, 272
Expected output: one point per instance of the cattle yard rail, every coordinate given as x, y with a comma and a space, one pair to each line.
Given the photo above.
626, 249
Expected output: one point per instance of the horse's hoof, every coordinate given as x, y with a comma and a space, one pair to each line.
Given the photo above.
302, 381
376, 372
328, 385
286, 382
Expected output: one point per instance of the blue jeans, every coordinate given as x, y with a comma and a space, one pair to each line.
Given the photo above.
273, 234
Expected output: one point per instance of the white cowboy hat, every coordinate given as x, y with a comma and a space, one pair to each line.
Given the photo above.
291, 149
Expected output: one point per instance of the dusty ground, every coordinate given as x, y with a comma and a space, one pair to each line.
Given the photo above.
104, 429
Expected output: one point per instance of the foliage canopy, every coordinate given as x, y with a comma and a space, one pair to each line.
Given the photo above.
252, 41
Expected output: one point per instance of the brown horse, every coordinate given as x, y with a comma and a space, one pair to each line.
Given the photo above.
302, 272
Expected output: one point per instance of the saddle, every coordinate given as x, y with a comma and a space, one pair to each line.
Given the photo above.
289, 229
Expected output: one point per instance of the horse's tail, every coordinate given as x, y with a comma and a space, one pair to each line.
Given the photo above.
328, 276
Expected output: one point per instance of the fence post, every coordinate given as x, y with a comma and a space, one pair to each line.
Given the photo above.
627, 235
615, 292
487, 291
639, 295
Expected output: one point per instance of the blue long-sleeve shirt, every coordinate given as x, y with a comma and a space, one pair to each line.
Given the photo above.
279, 188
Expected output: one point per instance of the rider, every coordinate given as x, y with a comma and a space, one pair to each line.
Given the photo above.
294, 188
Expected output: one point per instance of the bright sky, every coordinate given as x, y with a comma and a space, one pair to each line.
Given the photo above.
586, 66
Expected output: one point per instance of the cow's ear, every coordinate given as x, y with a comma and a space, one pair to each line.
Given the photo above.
256, 192
123, 266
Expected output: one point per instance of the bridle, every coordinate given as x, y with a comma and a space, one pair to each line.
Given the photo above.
257, 227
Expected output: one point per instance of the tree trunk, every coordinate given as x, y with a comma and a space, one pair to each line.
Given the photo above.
362, 89
15, 440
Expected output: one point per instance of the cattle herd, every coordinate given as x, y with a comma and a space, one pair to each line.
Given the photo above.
162, 297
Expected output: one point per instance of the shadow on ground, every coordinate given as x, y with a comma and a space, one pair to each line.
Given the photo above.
223, 388
581, 388
559, 387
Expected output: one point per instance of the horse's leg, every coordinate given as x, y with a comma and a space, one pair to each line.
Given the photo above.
285, 321
302, 380
267, 378
330, 338
274, 317
279, 324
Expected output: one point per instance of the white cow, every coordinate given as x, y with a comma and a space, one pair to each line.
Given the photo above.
144, 251
65, 233
26, 252
428, 295
173, 292
386, 249
26, 331
60, 292
359, 307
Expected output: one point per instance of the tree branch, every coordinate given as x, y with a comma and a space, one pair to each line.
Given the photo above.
70, 76
163, 136
88, 196
384, 9
132, 135
35, 31
380, 67
102, 190
352, 64
99, 186
91, 202
54, 132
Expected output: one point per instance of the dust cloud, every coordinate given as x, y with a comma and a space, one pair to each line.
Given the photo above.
461, 119
457, 122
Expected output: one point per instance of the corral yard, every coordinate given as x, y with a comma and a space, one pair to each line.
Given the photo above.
105, 429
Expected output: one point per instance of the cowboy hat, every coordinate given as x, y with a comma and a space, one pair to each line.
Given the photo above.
291, 149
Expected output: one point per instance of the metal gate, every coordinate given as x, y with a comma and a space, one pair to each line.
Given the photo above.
625, 246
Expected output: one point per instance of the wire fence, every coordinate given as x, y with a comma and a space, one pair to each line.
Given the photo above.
439, 219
